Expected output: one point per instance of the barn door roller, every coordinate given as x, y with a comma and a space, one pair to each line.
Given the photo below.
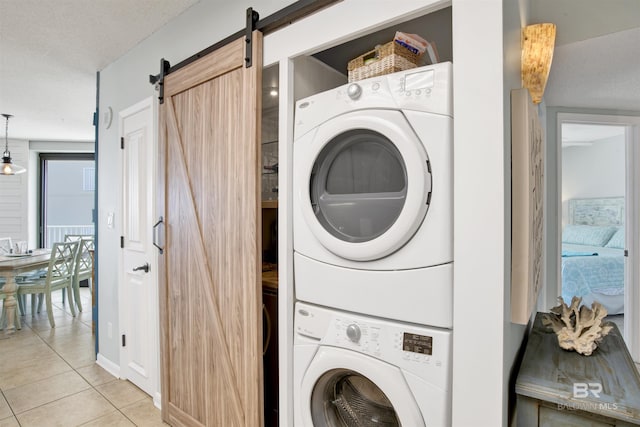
159, 79
252, 20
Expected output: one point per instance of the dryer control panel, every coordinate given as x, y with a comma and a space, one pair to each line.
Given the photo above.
423, 351
427, 89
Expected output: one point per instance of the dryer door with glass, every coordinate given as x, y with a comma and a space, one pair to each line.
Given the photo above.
369, 184
343, 388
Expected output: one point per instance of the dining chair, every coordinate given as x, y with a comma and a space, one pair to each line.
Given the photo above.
78, 238
5, 248
5, 245
60, 272
83, 268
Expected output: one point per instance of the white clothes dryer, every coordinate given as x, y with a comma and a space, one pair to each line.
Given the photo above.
352, 370
372, 184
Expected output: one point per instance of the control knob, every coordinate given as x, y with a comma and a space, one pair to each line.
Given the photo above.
354, 91
353, 332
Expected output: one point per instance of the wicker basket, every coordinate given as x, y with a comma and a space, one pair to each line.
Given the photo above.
385, 59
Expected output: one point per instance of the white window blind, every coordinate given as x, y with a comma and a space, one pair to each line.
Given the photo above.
89, 179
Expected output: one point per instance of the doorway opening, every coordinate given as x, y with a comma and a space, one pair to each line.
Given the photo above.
598, 214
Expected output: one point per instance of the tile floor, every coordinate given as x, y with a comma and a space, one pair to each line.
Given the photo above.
48, 377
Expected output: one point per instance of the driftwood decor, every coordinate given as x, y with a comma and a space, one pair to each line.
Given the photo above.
577, 326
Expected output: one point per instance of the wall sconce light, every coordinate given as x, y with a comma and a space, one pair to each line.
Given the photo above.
8, 167
537, 52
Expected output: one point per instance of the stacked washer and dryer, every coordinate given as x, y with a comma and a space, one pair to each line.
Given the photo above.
373, 252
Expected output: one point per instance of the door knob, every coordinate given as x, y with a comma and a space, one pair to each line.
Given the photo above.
144, 267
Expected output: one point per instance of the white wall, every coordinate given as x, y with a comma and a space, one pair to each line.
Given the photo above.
486, 56
515, 17
597, 170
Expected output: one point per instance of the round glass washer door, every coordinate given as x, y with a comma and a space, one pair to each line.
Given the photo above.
348, 399
342, 388
369, 184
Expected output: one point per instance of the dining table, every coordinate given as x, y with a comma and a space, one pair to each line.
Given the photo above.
11, 265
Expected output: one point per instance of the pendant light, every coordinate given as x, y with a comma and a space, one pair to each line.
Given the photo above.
8, 167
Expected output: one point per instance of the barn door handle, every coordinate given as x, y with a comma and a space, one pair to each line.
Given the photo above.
155, 235
144, 267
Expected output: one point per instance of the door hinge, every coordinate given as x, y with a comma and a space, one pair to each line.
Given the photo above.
95, 118
626, 252
122, 242
122, 142
124, 340
252, 20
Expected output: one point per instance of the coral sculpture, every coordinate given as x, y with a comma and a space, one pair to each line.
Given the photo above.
578, 327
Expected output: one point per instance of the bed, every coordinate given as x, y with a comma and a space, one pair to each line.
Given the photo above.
593, 252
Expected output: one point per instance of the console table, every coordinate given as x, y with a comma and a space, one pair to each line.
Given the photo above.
556, 387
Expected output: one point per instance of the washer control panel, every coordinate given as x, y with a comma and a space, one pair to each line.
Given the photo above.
353, 332
420, 350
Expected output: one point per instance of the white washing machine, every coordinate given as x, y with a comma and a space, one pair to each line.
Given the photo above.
352, 370
373, 196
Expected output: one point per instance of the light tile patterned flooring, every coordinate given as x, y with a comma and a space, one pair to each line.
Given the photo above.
48, 377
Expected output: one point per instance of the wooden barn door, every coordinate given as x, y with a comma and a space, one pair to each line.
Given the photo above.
211, 322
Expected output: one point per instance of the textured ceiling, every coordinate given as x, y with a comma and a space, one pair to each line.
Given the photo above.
585, 19
599, 73
596, 62
50, 51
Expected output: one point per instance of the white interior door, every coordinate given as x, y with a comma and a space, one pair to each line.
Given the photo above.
138, 284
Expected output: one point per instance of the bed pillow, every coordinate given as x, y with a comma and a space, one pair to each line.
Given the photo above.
617, 240
590, 235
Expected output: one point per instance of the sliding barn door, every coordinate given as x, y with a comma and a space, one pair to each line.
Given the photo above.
211, 323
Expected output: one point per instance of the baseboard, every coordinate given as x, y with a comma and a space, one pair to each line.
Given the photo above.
108, 365
157, 401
